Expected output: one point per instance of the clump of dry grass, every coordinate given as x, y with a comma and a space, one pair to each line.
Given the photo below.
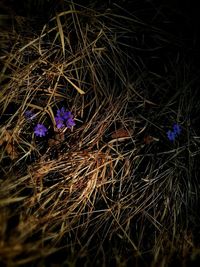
112, 188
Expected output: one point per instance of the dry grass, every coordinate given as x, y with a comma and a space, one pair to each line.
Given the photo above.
114, 189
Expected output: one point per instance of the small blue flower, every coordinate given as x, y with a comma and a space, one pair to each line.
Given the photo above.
175, 132
40, 130
59, 122
64, 116
177, 128
67, 115
29, 114
171, 135
70, 122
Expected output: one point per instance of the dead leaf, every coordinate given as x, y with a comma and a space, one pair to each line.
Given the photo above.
121, 133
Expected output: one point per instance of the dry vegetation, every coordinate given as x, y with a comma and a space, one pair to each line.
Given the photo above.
113, 189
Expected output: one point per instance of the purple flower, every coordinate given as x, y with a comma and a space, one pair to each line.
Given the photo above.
171, 135
64, 116
177, 129
70, 122
40, 130
29, 114
59, 122
67, 115
175, 132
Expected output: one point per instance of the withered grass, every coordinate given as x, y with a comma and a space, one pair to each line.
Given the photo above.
113, 190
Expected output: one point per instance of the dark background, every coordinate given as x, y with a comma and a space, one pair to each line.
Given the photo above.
177, 17
184, 14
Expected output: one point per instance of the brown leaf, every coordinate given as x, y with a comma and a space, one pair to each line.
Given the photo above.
121, 133
149, 139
